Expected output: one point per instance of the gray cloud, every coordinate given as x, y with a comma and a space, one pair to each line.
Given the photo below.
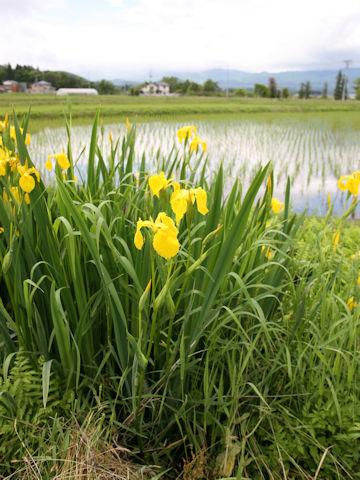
113, 37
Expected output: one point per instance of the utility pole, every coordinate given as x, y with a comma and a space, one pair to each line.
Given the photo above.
347, 63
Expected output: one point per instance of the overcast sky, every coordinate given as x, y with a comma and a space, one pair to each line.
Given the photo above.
115, 38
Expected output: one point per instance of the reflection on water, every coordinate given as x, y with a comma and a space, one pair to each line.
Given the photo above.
311, 153
318, 204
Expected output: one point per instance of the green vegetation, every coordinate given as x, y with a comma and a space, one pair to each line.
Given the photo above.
238, 360
357, 88
285, 93
241, 92
209, 88
273, 90
49, 110
339, 86
261, 90
29, 74
324, 93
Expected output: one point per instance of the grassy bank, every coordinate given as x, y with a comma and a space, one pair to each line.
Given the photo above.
48, 110
197, 336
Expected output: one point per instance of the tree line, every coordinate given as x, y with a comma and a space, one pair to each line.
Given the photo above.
59, 79
28, 74
187, 87
305, 91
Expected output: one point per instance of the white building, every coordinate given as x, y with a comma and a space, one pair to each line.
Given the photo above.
10, 86
76, 91
155, 88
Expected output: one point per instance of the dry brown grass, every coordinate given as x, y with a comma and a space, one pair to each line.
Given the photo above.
88, 457
196, 468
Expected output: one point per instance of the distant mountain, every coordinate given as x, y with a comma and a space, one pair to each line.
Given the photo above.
120, 82
240, 79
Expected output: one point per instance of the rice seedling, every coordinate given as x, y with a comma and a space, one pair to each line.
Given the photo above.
311, 153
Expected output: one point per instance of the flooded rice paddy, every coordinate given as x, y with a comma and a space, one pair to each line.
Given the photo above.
312, 153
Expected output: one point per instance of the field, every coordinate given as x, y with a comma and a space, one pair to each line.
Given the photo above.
311, 151
203, 329
48, 110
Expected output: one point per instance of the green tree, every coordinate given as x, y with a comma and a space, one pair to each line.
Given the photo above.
307, 91
241, 92
6, 72
285, 92
104, 87
183, 87
325, 91
29, 74
273, 90
356, 85
210, 87
339, 86
64, 79
301, 93
173, 82
9, 73
194, 89
26, 73
135, 89
261, 90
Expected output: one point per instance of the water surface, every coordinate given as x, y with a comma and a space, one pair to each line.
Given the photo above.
311, 152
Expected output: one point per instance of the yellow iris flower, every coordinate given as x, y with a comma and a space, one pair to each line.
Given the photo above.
13, 133
186, 132
13, 162
195, 144
268, 254
4, 160
15, 193
352, 183
181, 199
27, 181
159, 182
62, 160
276, 205
165, 241
351, 303
4, 124
7, 159
336, 238
48, 165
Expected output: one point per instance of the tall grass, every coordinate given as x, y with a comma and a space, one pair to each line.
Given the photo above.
228, 352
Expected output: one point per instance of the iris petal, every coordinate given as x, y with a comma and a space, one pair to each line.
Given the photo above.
166, 244
27, 183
